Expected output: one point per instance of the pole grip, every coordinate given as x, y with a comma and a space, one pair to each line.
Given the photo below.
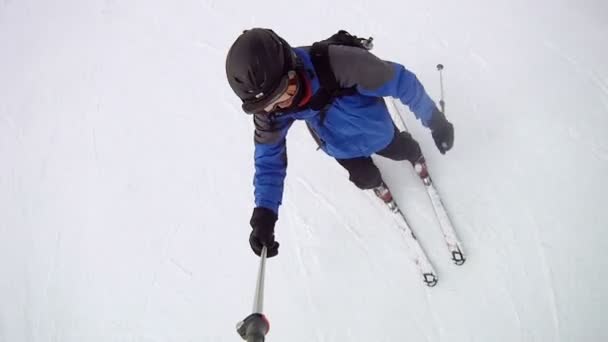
441, 101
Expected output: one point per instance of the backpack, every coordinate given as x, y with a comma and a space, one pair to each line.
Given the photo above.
329, 86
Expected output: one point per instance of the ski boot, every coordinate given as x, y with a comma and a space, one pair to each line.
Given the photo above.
383, 193
421, 170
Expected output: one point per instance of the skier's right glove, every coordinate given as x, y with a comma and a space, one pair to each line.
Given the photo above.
262, 222
442, 131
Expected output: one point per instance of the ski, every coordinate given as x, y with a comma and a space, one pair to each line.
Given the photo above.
417, 254
447, 228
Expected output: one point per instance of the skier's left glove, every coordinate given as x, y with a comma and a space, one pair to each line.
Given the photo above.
442, 131
262, 222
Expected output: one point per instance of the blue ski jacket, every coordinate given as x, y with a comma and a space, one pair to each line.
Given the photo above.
356, 125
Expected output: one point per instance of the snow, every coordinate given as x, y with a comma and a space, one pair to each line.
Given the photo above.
126, 167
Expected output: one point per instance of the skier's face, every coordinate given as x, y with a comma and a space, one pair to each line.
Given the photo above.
286, 99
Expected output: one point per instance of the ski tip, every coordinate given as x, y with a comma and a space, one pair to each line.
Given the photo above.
458, 257
430, 279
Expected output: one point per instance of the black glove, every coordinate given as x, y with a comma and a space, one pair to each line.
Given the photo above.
262, 222
442, 131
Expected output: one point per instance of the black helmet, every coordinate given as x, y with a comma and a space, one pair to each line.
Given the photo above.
257, 66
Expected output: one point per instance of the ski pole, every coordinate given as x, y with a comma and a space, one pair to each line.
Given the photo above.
441, 101
255, 326
258, 301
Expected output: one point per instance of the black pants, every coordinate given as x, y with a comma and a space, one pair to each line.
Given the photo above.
365, 175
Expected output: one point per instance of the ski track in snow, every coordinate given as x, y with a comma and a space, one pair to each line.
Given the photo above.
332, 209
301, 226
93, 138
588, 73
181, 267
506, 271
209, 47
304, 268
483, 63
12, 127
95, 150
164, 257
47, 283
434, 316
600, 151
598, 148
546, 271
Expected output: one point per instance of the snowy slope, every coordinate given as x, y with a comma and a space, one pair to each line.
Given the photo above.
126, 166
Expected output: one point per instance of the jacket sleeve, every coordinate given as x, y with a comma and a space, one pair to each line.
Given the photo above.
375, 77
270, 158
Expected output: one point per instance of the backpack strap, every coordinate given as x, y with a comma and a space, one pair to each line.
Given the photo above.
329, 87
319, 55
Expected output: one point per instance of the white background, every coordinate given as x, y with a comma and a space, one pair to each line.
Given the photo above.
126, 177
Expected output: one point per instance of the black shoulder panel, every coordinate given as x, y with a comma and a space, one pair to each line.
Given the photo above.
266, 130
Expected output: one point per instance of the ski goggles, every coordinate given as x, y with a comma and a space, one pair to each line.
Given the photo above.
263, 101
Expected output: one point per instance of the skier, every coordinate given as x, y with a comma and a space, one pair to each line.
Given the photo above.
279, 84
